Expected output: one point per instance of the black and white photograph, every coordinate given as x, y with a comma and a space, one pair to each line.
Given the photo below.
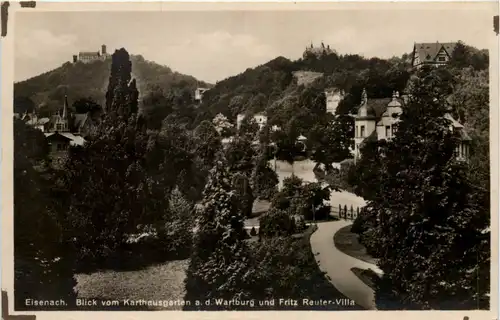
275, 159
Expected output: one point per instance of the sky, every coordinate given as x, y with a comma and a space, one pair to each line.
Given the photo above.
214, 45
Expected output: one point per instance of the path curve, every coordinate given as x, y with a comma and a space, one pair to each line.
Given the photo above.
337, 265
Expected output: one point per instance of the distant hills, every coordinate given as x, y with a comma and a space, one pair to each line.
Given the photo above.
78, 80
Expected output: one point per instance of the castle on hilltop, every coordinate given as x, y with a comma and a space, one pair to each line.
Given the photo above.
89, 56
317, 51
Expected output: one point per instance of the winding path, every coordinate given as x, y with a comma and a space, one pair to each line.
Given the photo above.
337, 265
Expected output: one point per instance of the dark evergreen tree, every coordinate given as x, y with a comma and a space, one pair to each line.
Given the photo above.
430, 214
220, 260
122, 94
264, 179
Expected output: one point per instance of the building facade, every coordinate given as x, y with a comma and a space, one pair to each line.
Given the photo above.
90, 56
198, 94
333, 98
376, 119
435, 54
317, 51
259, 118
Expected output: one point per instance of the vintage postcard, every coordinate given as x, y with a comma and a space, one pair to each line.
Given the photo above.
267, 157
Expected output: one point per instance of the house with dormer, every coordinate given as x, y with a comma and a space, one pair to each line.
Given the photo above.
377, 119
435, 54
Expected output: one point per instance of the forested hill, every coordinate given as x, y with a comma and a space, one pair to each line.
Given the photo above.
258, 89
90, 81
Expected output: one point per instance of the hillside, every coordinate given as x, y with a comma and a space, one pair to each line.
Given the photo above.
257, 89
90, 81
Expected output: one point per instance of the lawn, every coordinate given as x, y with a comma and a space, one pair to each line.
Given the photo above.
369, 277
163, 281
348, 243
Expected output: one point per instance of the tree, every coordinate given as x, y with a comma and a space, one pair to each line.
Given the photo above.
276, 223
249, 128
438, 220
122, 94
44, 265
220, 260
207, 142
323, 143
240, 155
156, 107
264, 179
241, 186
286, 143
85, 105
222, 125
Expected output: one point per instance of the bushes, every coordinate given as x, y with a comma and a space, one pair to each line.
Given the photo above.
276, 223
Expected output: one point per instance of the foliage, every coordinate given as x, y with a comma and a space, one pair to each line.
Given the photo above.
177, 231
207, 142
85, 105
264, 178
464, 56
241, 186
42, 253
365, 174
222, 125
240, 155
276, 223
302, 200
156, 106
220, 259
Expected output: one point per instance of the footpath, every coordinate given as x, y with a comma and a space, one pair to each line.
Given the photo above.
337, 265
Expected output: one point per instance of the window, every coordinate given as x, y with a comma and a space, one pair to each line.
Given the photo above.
362, 134
393, 131
441, 59
387, 131
61, 147
357, 131
59, 127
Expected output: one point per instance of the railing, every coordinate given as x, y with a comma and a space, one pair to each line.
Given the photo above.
344, 212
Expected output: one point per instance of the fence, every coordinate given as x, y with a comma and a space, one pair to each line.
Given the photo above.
343, 212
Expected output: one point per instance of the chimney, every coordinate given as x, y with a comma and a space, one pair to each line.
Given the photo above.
103, 49
75, 58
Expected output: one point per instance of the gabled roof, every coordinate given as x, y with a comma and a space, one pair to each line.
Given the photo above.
75, 140
36, 121
427, 52
80, 119
374, 108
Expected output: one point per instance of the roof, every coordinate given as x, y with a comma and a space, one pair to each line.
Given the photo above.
454, 122
427, 52
374, 108
35, 121
88, 53
74, 139
80, 119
